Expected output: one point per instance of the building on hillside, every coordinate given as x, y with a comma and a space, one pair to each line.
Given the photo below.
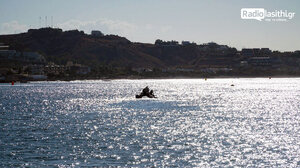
185, 43
211, 44
166, 43
55, 69
247, 52
83, 70
184, 70
78, 68
3, 47
33, 57
222, 47
244, 63
36, 69
265, 51
141, 70
256, 52
38, 77
260, 61
5, 53
97, 33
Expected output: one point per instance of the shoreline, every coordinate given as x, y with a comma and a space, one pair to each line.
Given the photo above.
154, 78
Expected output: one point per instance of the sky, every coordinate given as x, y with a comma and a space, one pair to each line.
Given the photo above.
199, 21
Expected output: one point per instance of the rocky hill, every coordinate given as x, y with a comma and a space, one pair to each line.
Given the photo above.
61, 46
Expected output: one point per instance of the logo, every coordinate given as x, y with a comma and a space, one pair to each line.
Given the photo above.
262, 14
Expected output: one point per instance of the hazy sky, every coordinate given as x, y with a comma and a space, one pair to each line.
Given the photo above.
147, 20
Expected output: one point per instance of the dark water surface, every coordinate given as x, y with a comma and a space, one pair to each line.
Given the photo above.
193, 123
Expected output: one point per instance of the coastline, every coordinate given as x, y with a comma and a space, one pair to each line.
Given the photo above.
153, 78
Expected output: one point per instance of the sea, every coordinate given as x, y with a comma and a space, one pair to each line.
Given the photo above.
230, 122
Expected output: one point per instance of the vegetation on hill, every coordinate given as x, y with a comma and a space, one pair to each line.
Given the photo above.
115, 56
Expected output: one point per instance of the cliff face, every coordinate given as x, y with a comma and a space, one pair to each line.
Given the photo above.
60, 47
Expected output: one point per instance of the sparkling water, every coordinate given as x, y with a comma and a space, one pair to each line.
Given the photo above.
193, 123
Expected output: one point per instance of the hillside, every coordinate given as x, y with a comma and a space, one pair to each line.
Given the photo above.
61, 46
49, 52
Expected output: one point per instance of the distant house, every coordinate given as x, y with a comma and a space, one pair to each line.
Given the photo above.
34, 57
36, 69
38, 77
83, 70
260, 61
20, 56
243, 63
97, 33
222, 47
211, 44
247, 52
184, 70
3, 47
207, 70
256, 51
78, 68
166, 43
266, 51
7, 54
54, 69
141, 70
215, 70
185, 43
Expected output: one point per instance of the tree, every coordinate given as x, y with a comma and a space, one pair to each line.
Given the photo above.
158, 42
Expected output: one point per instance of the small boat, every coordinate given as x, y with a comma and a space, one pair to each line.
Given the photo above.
141, 96
145, 92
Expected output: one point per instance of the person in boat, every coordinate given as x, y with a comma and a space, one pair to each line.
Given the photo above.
152, 94
146, 92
